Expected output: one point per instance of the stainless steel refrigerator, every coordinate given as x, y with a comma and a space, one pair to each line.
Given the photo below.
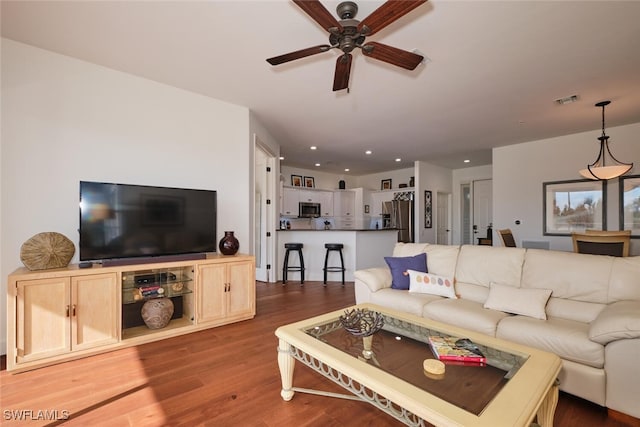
400, 216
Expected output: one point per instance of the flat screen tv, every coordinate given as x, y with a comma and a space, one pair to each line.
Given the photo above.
122, 221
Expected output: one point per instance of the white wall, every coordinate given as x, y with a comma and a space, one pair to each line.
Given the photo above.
373, 181
519, 171
64, 120
322, 180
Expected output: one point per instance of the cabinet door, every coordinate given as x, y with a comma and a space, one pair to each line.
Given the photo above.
211, 301
325, 198
42, 318
290, 199
344, 203
94, 311
242, 288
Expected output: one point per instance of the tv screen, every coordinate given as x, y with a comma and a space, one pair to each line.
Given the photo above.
129, 221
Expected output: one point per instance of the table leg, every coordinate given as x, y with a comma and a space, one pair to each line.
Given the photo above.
286, 363
548, 407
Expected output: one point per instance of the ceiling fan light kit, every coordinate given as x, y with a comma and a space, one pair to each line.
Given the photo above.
349, 34
601, 169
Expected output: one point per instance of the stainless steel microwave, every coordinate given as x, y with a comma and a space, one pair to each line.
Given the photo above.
308, 210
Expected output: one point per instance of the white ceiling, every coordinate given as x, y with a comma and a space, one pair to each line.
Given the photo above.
496, 68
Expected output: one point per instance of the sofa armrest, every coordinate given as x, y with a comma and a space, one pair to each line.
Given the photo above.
619, 320
374, 278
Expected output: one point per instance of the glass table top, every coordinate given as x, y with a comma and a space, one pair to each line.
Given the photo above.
400, 349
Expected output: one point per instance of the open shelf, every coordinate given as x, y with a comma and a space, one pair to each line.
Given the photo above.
140, 331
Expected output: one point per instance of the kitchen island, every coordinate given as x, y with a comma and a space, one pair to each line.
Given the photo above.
363, 248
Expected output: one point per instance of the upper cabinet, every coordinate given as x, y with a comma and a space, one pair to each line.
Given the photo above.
290, 200
344, 203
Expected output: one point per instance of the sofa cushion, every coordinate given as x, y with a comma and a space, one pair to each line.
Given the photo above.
465, 314
426, 283
400, 265
620, 320
566, 338
402, 300
578, 277
624, 283
408, 249
527, 302
481, 265
442, 259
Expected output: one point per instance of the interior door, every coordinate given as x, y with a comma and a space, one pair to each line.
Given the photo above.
482, 208
264, 212
443, 219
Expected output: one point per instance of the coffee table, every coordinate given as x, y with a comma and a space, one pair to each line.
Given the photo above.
517, 383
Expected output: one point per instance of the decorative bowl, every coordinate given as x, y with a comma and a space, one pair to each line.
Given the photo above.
362, 322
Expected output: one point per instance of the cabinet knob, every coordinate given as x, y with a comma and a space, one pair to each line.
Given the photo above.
67, 311
73, 311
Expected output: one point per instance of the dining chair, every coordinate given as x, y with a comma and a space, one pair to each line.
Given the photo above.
598, 242
507, 238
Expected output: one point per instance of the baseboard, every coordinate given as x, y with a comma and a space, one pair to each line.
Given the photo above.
623, 418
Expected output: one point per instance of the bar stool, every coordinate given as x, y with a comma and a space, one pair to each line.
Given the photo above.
297, 247
333, 269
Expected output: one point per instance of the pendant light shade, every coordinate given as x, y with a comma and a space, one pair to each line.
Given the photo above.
606, 166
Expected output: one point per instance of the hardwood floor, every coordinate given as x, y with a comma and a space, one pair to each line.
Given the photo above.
227, 376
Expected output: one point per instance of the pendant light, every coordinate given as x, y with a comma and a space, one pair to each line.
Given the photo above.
602, 168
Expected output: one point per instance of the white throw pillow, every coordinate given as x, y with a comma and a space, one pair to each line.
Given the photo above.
425, 283
529, 302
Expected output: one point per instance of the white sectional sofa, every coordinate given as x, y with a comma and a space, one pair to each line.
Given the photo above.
592, 316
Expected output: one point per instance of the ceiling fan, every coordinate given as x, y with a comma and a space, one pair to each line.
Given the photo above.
349, 33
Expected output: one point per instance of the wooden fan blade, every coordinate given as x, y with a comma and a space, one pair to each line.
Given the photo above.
392, 55
277, 60
387, 13
343, 69
317, 11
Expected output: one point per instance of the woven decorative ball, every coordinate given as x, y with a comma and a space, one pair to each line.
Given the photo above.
47, 250
157, 312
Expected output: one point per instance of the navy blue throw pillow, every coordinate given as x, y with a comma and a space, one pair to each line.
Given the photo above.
400, 265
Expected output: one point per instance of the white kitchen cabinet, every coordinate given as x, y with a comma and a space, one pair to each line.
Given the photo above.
344, 203
290, 199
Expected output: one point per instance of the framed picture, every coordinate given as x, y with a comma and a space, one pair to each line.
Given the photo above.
428, 211
630, 204
573, 206
296, 180
385, 184
309, 182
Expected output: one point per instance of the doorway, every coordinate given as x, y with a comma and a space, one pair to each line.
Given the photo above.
443, 219
264, 211
482, 202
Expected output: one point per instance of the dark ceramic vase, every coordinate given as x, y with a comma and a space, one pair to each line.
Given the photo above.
229, 245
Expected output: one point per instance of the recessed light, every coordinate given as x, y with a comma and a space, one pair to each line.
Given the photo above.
466, 160
368, 152
398, 160
281, 158
346, 170
313, 147
317, 164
